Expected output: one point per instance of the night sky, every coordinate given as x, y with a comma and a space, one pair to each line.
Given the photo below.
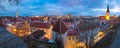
61, 7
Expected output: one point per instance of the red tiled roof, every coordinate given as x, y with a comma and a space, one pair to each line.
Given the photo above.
68, 20
36, 19
40, 25
18, 20
60, 27
72, 32
102, 17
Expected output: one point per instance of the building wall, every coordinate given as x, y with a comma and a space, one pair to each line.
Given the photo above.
20, 29
11, 29
48, 32
54, 35
71, 41
68, 41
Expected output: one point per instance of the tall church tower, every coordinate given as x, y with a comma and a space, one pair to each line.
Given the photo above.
17, 14
68, 16
107, 13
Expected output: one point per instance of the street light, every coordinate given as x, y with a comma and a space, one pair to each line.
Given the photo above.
111, 26
81, 44
14, 30
99, 36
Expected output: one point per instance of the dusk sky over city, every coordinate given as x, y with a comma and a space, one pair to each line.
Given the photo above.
61, 7
59, 23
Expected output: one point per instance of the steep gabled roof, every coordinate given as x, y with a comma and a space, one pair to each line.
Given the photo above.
60, 27
68, 20
72, 32
40, 25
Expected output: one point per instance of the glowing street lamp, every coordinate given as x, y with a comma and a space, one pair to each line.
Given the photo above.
14, 30
111, 26
101, 34
81, 44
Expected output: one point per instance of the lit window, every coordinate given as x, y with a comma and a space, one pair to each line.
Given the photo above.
20, 30
14, 30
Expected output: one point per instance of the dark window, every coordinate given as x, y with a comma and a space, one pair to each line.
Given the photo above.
81, 46
69, 38
73, 38
76, 37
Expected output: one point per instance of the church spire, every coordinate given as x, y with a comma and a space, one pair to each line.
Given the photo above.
107, 7
107, 12
17, 14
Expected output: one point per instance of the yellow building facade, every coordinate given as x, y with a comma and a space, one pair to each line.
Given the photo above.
71, 41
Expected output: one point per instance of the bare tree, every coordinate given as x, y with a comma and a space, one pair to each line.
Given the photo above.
11, 3
14, 2
88, 36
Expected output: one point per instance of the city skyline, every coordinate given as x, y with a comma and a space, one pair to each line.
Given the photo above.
59, 24
61, 7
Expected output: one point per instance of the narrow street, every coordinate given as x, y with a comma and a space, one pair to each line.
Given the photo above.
111, 40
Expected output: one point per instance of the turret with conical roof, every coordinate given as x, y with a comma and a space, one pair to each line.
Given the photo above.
108, 8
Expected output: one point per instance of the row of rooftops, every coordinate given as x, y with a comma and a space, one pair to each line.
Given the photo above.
61, 28
40, 25
59, 25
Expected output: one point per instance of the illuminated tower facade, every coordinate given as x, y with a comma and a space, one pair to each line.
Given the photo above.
68, 16
107, 13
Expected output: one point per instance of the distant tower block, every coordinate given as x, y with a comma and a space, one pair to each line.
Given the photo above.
108, 13
17, 14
